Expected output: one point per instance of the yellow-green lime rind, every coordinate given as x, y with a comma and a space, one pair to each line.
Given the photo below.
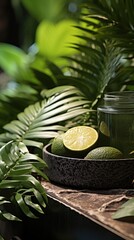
131, 154
104, 129
80, 138
57, 146
104, 152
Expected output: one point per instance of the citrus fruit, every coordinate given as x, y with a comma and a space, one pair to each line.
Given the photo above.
104, 135
104, 129
80, 138
131, 154
104, 152
57, 146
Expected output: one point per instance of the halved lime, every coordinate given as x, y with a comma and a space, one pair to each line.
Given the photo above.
80, 138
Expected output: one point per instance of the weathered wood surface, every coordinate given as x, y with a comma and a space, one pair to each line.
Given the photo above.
98, 206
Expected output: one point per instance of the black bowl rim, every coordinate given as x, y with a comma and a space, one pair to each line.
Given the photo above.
45, 149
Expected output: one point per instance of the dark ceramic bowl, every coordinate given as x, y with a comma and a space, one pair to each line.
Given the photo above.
91, 174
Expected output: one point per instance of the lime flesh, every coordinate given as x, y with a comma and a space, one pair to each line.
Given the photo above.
80, 138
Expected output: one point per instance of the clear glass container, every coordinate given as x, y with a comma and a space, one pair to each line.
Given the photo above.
116, 121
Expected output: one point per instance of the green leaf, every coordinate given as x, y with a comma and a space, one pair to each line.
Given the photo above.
126, 211
33, 143
14, 61
56, 40
1, 238
43, 120
37, 195
10, 217
48, 10
8, 184
67, 90
29, 202
24, 207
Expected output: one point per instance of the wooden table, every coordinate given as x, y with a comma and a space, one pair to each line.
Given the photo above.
97, 206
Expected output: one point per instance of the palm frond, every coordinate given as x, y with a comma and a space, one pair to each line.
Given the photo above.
43, 120
18, 185
95, 71
117, 21
105, 56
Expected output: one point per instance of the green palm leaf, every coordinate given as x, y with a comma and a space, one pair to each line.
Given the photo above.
117, 21
104, 63
1, 238
98, 70
44, 119
18, 185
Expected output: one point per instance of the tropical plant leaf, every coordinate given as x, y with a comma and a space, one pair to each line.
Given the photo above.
8, 216
46, 79
64, 91
103, 59
41, 120
18, 62
24, 207
50, 10
126, 211
28, 201
98, 71
18, 184
48, 34
117, 21
1, 238
38, 197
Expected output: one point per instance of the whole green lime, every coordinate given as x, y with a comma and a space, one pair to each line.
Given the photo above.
104, 152
57, 146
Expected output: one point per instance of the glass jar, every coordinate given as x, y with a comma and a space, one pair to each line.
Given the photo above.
116, 121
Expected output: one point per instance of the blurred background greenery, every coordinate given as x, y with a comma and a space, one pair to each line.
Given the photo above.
45, 44
20, 18
39, 30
